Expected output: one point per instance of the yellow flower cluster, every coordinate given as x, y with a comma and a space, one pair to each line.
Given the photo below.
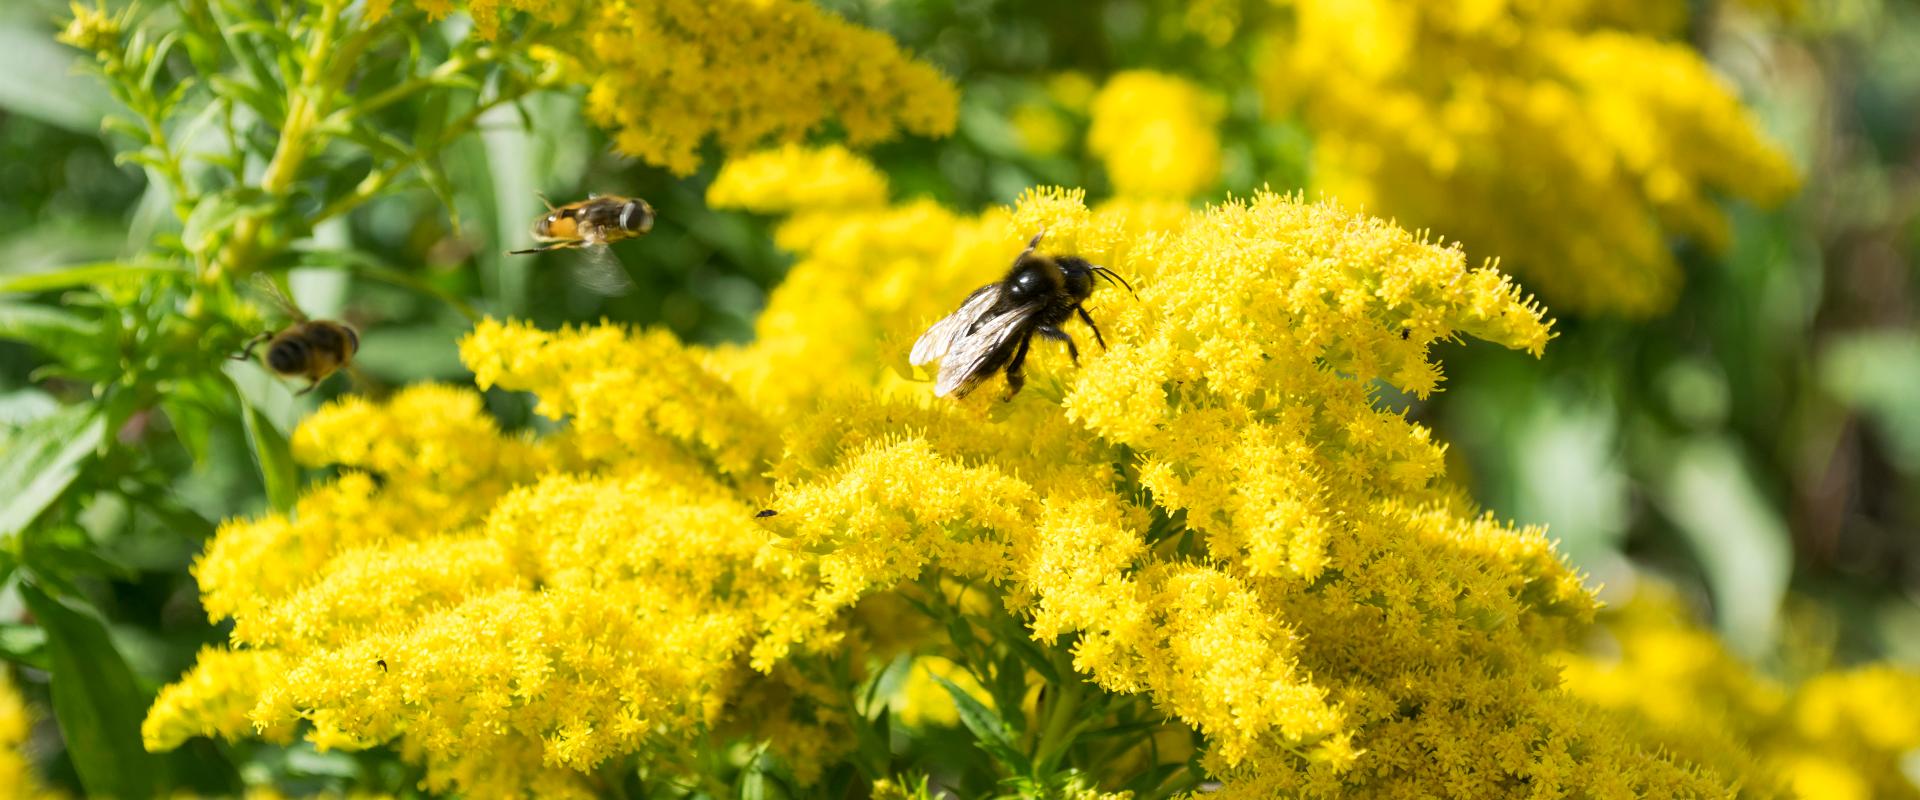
1839, 735
1212, 519
666, 76
796, 178
669, 74
1157, 135
1569, 139
17, 779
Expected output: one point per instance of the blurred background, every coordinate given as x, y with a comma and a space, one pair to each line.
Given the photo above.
1757, 445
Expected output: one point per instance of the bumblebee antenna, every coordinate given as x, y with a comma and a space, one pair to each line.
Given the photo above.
1112, 277
543, 199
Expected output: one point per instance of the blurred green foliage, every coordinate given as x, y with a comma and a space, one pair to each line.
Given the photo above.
1760, 444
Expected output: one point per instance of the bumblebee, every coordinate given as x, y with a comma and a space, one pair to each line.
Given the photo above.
995, 326
314, 349
592, 224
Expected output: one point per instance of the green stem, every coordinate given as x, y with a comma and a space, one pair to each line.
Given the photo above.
304, 107
1062, 713
400, 91
378, 180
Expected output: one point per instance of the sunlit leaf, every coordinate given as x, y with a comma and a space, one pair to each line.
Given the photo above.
988, 729
278, 472
41, 459
86, 275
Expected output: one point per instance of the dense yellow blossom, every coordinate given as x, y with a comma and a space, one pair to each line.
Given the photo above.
1571, 140
17, 778
214, 699
1157, 135
796, 178
92, 29
1838, 735
1211, 519
667, 76
670, 74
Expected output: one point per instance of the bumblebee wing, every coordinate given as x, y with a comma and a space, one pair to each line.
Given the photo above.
267, 284
940, 335
977, 353
599, 271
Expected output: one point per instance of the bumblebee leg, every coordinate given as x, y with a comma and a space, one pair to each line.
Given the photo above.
1084, 317
311, 385
247, 352
1017, 369
1061, 336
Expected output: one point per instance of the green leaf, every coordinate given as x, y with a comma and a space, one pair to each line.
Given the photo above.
96, 700
1880, 374
86, 275
53, 331
762, 780
25, 645
61, 551
887, 683
989, 731
265, 104
42, 459
192, 414
1737, 533
1015, 636
278, 472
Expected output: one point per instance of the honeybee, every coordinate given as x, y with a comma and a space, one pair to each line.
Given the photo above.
314, 348
310, 348
592, 224
995, 325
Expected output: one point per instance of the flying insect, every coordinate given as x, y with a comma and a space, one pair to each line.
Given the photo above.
994, 327
591, 225
309, 348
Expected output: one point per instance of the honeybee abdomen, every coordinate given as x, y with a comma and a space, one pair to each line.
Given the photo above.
288, 355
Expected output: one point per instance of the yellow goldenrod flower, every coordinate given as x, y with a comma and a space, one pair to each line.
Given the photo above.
1157, 135
17, 778
670, 74
665, 77
1042, 129
794, 179
214, 699
1839, 734
1571, 140
92, 30
1211, 518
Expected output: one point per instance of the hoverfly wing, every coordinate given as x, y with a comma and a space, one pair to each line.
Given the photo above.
980, 349
599, 271
940, 336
